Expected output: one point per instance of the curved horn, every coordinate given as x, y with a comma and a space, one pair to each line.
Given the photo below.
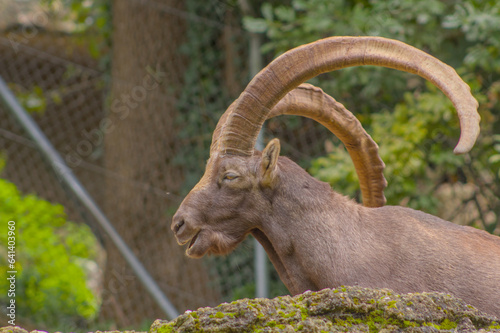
244, 118
309, 101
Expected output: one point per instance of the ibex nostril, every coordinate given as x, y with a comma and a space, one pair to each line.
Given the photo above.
178, 226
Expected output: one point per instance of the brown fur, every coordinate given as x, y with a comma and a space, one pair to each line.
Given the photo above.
317, 238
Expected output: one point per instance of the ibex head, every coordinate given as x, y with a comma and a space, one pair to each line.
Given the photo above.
227, 203
239, 189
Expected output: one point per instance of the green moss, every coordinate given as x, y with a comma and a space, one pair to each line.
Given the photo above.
340, 322
304, 313
445, 325
218, 315
448, 325
377, 320
168, 328
494, 326
349, 321
431, 325
408, 323
286, 315
392, 304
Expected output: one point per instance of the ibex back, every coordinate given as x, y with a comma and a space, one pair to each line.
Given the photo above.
315, 237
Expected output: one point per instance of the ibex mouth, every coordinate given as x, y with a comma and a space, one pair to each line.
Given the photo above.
193, 240
198, 245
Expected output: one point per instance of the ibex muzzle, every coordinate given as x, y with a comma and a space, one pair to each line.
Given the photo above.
315, 237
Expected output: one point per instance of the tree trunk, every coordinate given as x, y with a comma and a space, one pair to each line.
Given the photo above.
139, 148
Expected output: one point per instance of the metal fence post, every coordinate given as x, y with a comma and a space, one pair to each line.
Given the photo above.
261, 266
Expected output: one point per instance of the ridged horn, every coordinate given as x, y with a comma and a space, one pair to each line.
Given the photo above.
244, 118
312, 102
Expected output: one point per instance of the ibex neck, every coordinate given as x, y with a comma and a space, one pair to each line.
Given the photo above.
295, 224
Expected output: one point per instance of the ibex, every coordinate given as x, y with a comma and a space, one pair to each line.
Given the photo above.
315, 237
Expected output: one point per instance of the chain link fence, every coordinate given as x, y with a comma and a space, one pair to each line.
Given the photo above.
138, 176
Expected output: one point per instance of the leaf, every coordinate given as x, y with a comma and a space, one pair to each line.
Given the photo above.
494, 159
267, 11
255, 25
284, 13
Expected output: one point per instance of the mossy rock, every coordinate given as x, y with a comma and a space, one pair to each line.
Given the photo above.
17, 329
347, 309
12, 329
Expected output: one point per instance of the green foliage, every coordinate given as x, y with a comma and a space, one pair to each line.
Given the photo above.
414, 139
50, 254
91, 20
414, 124
36, 99
479, 21
368, 88
495, 157
33, 101
92, 25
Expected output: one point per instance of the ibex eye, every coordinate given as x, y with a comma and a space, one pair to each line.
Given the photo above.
230, 176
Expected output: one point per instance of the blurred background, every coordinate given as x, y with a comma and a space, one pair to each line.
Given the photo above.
129, 92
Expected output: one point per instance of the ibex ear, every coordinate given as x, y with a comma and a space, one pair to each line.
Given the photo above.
269, 162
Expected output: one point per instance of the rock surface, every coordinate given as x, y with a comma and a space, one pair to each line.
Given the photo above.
17, 329
347, 309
